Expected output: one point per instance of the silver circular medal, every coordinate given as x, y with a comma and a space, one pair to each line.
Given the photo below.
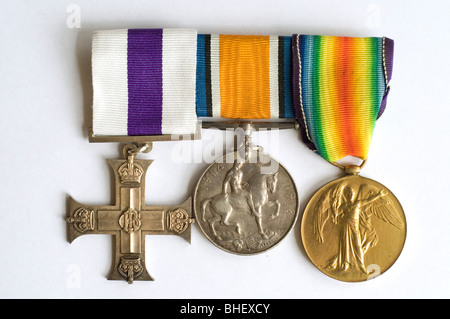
246, 206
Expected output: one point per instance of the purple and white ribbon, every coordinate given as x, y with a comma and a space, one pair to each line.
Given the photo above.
144, 82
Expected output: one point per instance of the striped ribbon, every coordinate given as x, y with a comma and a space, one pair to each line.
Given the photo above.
144, 82
340, 90
157, 81
244, 77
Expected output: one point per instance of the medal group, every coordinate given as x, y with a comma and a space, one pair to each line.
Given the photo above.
155, 85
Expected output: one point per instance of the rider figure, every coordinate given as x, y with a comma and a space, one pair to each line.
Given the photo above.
233, 180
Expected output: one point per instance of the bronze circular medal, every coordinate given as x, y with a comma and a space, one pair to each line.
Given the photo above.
245, 207
353, 229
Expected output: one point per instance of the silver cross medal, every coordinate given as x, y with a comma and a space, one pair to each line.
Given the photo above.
129, 220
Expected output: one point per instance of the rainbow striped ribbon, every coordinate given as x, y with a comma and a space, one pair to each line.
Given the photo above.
244, 77
144, 82
340, 90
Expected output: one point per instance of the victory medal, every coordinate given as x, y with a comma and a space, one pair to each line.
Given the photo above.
353, 228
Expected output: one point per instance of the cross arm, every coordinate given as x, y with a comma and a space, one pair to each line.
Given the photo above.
83, 220
168, 220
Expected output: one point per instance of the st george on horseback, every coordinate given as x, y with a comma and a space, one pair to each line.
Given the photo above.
236, 196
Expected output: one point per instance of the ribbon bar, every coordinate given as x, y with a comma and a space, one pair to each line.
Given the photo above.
144, 82
156, 82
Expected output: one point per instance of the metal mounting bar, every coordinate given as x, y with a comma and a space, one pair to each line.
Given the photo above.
253, 124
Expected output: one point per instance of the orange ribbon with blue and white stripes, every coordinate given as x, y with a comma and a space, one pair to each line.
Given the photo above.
244, 77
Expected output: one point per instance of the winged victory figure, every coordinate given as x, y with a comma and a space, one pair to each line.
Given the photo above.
352, 211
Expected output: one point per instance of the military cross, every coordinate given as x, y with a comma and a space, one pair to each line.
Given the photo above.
129, 220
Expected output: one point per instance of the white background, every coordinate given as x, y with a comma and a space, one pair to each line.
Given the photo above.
45, 95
